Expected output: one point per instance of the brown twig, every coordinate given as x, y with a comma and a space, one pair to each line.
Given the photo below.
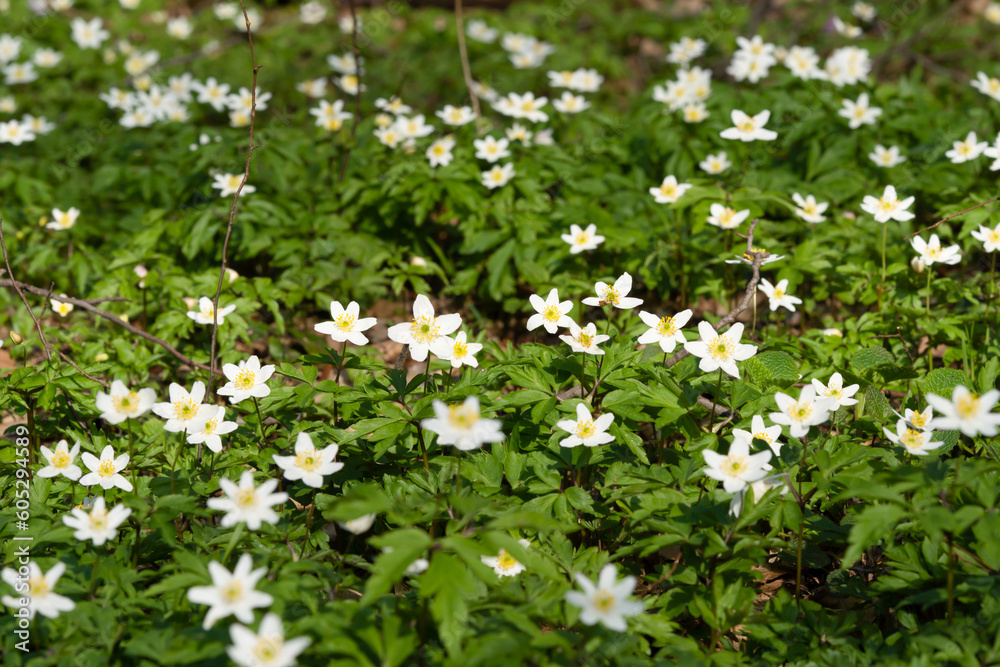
899, 335
953, 215
466, 70
758, 258
357, 95
10, 272
232, 209
88, 306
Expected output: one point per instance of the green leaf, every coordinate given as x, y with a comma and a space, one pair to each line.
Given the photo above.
942, 381
873, 523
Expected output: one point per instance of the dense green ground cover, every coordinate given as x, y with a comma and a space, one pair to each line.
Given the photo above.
861, 544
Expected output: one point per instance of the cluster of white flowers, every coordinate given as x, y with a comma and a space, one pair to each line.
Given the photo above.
687, 94
525, 51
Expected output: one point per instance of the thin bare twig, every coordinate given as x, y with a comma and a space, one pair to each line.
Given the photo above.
10, 272
953, 215
232, 209
466, 70
357, 94
89, 306
899, 335
758, 257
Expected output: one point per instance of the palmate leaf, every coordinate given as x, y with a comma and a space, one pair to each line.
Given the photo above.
772, 369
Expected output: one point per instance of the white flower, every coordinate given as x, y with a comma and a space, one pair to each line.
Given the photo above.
694, 112
183, 410
931, 252
504, 564
748, 257
106, 470
462, 425
808, 208
801, 414
359, 525
60, 461
37, 588
413, 128
309, 464
247, 380
888, 207
229, 184
570, 103
725, 217
836, 391
481, 32
246, 502
669, 191
311, 13
209, 426
122, 403
586, 430
758, 431
421, 332
715, 164
990, 238
312, 88
439, 153
550, 313
614, 295
994, 152
968, 149
498, 176
607, 602
915, 441
777, 295
331, 117
987, 85
346, 325
452, 115
863, 11
458, 350
491, 149
584, 340
739, 467
918, 419
803, 63
966, 412
749, 128
582, 239
267, 647
992, 12
859, 113
720, 351
99, 525
63, 219
666, 331
88, 34
886, 157
231, 593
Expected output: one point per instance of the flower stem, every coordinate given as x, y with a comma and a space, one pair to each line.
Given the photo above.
423, 448
260, 420
237, 533
715, 400
928, 291
881, 287
583, 375
340, 367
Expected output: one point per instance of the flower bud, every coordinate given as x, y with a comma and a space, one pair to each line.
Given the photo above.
16, 338
100, 357
917, 264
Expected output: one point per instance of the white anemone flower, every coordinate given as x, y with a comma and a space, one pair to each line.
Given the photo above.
462, 426
608, 602
309, 464
550, 313
231, 593
614, 295
123, 403
424, 329
664, 331
247, 380
586, 430
720, 350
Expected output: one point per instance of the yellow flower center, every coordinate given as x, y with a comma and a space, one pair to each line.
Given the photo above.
438, 149
244, 379
582, 238
809, 208
98, 519
460, 350
185, 409
610, 296
604, 601
800, 411
747, 126
968, 406
585, 339
424, 329
234, 181
38, 587
721, 348
246, 498
232, 592
888, 204
911, 439
585, 429
778, 293
462, 417
106, 468
666, 327
308, 461
60, 459
267, 649
334, 124
552, 313
918, 419
127, 404
210, 426
345, 322
505, 561
668, 190
734, 465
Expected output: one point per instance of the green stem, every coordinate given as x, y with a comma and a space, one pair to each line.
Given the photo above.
928, 291
680, 256
340, 367
237, 533
881, 287
260, 420
583, 375
715, 400
93, 573
989, 301
423, 448
427, 373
